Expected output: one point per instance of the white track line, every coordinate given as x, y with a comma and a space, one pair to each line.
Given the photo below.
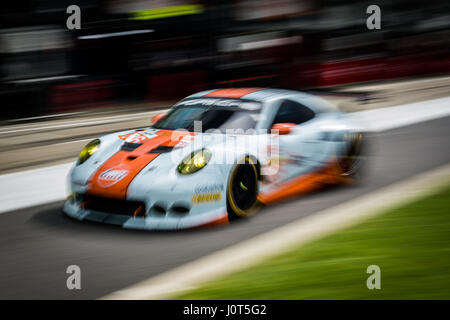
396, 83
38, 186
33, 187
304, 230
47, 116
81, 123
394, 117
73, 141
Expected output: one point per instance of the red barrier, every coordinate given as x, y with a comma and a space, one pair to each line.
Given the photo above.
162, 87
176, 85
360, 70
335, 73
74, 96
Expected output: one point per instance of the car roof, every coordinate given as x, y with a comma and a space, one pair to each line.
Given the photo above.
258, 94
316, 103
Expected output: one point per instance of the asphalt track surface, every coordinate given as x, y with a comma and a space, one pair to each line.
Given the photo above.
37, 244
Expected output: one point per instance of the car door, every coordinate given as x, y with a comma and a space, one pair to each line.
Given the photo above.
294, 154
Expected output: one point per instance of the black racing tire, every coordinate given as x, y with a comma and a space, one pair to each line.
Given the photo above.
354, 161
242, 190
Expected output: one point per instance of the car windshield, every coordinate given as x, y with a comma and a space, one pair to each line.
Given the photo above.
221, 114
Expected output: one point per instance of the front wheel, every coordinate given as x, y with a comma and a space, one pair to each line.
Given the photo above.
242, 190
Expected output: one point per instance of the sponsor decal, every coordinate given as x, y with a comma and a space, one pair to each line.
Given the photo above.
246, 105
208, 188
134, 137
150, 133
206, 197
186, 140
111, 176
207, 193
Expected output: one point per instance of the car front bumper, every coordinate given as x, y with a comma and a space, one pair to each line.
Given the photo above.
213, 216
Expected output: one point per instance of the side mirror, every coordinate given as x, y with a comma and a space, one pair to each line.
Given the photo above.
157, 117
283, 128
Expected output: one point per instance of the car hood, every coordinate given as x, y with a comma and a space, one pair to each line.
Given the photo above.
137, 149
125, 154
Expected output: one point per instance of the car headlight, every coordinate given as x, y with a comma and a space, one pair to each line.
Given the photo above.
194, 162
88, 150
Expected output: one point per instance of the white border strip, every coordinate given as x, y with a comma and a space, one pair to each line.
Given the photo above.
304, 230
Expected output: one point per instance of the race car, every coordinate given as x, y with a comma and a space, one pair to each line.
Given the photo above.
215, 157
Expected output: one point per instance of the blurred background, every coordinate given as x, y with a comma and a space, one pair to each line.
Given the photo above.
150, 52
61, 88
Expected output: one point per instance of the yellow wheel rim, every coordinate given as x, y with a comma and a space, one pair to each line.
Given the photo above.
232, 203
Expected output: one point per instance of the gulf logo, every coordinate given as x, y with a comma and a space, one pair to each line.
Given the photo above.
111, 176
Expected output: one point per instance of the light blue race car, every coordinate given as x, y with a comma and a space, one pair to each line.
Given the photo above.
216, 156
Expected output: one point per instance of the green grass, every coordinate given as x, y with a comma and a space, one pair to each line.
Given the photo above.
411, 245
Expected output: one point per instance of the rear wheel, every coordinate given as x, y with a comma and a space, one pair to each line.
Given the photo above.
355, 156
242, 190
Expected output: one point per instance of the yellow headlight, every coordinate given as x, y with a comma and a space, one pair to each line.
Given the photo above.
194, 162
88, 150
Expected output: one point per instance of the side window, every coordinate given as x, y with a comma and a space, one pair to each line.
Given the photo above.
293, 112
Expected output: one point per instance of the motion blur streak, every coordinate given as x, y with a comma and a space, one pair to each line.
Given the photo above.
24, 192
246, 254
41, 238
154, 51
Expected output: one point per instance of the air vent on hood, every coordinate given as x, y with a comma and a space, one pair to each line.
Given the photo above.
161, 149
129, 146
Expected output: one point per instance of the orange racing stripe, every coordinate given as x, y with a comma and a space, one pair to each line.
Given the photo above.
129, 164
302, 184
232, 93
